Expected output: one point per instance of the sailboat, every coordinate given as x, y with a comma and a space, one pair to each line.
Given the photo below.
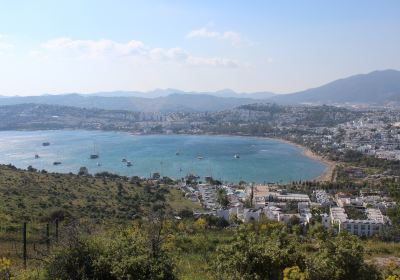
95, 153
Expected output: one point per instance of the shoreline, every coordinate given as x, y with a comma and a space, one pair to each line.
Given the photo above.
326, 176
330, 165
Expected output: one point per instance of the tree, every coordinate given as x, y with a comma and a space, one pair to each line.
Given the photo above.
251, 256
83, 171
342, 258
128, 255
222, 198
31, 169
79, 261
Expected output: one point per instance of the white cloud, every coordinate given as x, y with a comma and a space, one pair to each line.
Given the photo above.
203, 33
231, 36
215, 61
174, 54
93, 49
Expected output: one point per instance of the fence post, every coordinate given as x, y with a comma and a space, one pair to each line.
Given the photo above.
57, 230
48, 236
24, 244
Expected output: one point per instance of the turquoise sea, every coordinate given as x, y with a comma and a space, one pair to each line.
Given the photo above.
260, 160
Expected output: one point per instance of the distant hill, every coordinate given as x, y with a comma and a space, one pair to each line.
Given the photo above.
145, 94
169, 91
76, 100
193, 102
375, 88
171, 103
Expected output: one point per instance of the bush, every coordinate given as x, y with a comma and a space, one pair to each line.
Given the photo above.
125, 256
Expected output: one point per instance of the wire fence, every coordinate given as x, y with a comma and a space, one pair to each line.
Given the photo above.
27, 243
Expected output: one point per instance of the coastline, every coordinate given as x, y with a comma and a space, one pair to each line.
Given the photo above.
330, 165
326, 176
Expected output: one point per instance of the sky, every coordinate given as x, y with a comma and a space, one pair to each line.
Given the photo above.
84, 46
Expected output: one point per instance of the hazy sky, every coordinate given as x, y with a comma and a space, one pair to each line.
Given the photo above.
280, 46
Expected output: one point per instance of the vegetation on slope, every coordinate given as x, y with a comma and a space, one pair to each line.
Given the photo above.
130, 232
33, 196
159, 248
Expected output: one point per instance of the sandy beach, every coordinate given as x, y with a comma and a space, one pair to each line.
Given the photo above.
330, 165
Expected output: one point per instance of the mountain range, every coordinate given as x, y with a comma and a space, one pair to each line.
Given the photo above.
378, 88
375, 88
175, 102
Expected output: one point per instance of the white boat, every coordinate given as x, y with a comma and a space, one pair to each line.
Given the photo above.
236, 156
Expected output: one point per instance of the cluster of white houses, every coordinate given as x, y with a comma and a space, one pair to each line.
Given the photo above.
273, 203
279, 205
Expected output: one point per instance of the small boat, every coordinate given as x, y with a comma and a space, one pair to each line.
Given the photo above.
45, 144
95, 153
57, 163
236, 156
123, 160
200, 158
128, 163
177, 153
37, 156
98, 164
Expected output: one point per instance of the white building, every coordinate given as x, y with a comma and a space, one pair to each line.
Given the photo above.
228, 213
367, 227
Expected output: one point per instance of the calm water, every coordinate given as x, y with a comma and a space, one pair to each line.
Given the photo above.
260, 160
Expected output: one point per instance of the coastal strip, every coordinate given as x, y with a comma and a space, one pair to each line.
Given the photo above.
327, 176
